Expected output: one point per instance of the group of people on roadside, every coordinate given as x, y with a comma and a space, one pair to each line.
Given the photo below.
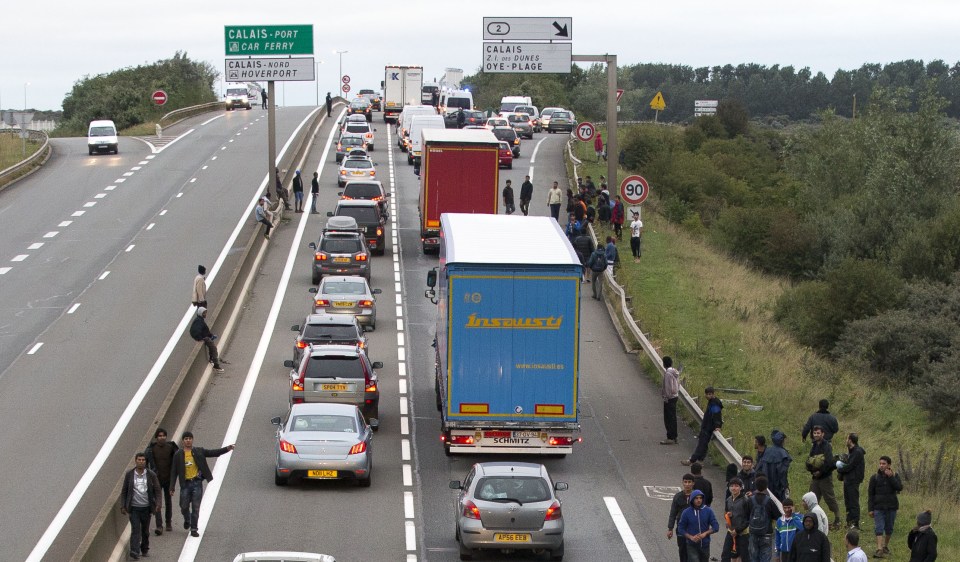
152, 483
759, 513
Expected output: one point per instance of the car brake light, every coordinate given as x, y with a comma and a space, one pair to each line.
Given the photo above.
320, 256
321, 302
379, 231
553, 512
373, 173
301, 344
360, 257
470, 510
360, 448
365, 304
371, 386
297, 385
287, 447
343, 172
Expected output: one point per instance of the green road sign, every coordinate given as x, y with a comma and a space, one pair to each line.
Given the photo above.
262, 40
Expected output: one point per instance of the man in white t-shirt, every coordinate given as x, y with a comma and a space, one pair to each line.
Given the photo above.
854, 552
636, 232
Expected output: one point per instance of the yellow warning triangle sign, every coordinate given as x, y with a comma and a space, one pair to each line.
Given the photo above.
658, 103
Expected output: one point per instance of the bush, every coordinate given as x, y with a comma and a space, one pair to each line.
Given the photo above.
734, 117
939, 392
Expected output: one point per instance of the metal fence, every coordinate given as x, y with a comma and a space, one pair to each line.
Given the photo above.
27, 166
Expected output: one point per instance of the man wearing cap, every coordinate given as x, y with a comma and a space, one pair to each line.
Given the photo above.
298, 191
712, 421
199, 297
201, 332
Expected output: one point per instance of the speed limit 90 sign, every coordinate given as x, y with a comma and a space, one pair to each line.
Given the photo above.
634, 189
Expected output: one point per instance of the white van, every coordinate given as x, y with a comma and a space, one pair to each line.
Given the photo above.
419, 123
452, 100
403, 123
102, 135
509, 103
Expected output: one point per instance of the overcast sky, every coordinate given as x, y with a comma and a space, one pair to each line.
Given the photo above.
52, 44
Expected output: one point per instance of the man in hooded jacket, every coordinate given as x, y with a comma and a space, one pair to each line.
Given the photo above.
810, 544
697, 523
712, 421
774, 463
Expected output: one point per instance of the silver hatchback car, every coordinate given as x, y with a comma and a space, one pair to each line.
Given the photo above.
347, 294
323, 442
509, 506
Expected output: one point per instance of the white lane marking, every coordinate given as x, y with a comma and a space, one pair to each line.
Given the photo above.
151, 225
35, 348
402, 383
231, 140
404, 425
65, 223
35, 246
396, 265
408, 505
211, 119
103, 276
213, 158
143, 162
130, 247
163, 212
399, 314
399, 324
401, 354
193, 180
626, 535
405, 449
407, 475
4, 270
400, 339
530, 173
20, 257
411, 537
180, 195
150, 157
192, 545
135, 168
171, 143
204, 168
78, 213
396, 276
66, 510
403, 407
100, 196
238, 134
223, 148
127, 174
397, 287
73, 308
89, 204
533, 157
53, 233
119, 180
110, 188
403, 369
399, 299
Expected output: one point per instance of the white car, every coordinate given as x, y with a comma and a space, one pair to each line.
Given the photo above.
351, 127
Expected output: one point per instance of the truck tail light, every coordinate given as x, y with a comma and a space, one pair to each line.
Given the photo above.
470, 510
365, 304
361, 447
461, 440
321, 302
287, 447
553, 512
563, 441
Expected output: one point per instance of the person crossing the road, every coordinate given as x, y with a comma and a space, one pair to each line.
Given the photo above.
190, 470
554, 198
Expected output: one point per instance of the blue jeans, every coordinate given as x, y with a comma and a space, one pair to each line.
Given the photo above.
883, 520
191, 494
761, 548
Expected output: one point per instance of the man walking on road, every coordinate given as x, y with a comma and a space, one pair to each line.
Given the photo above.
314, 192
821, 465
597, 264
851, 471
736, 544
200, 288
298, 191
159, 455
263, 99
199, 331
670, 392
139, 498
554, 198
508, 198
697, 523
329, 102
712, 421
680, 502
190, 470
526, 195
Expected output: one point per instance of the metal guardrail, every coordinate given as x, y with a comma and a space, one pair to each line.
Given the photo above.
726, 449
25, 167
178, 115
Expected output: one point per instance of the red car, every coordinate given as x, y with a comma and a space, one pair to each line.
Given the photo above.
506, 155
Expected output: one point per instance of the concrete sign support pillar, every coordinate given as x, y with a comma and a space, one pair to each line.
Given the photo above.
271, 135
613, 148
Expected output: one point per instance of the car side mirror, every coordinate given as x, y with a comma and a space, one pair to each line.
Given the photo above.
387, 194
561, 486
312, 290
374, 130
329, 213
295, 328
374, 423
276, 420
432, 278
289, 364
313, 246
377, 364
366, 328
456, 485
340, 193
376, 291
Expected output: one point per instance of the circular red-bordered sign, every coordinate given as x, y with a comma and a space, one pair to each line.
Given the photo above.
585, 131
345, 79
634, 189
159, 97
345, 88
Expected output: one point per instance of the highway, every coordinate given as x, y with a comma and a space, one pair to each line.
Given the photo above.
99, 301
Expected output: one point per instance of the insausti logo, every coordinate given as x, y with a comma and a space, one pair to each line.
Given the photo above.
529, 323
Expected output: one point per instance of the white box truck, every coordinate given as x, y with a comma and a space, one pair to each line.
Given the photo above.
401, 86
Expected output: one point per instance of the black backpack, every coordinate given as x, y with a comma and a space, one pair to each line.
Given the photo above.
759, 520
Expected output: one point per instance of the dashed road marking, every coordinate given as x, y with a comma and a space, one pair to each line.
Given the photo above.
103, 276
53, 233
73, 308
35, 347
35, 246
20, 257
626, 535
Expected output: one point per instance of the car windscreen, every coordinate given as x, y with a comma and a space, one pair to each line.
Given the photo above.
560, 115
351, 141
505, 134
518, 118
364, 215
331, 332
340, 245
508, 106
358, 164
332, 366
504, 146
102, 132
320, 422
357, 128
458, 102
524, 109
359, 104
362, 190
343, 288
237, 92
473, 113
522, 489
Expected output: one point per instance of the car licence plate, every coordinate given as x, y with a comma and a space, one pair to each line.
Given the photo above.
334, 387
343, 304
341, 260
512, 537
321, 474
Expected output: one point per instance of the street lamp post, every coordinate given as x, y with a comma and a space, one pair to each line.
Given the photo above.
340, 78
316, 80
23, 130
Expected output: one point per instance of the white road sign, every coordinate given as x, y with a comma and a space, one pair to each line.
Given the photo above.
705, 103
527, 57
528, 29
279, 69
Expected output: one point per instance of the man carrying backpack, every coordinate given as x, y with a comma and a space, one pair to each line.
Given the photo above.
763, 512
597, 264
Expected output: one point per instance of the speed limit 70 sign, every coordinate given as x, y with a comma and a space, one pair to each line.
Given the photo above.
634, 189
585, 131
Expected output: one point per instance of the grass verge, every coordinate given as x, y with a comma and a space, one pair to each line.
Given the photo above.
713, 315
11, 150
